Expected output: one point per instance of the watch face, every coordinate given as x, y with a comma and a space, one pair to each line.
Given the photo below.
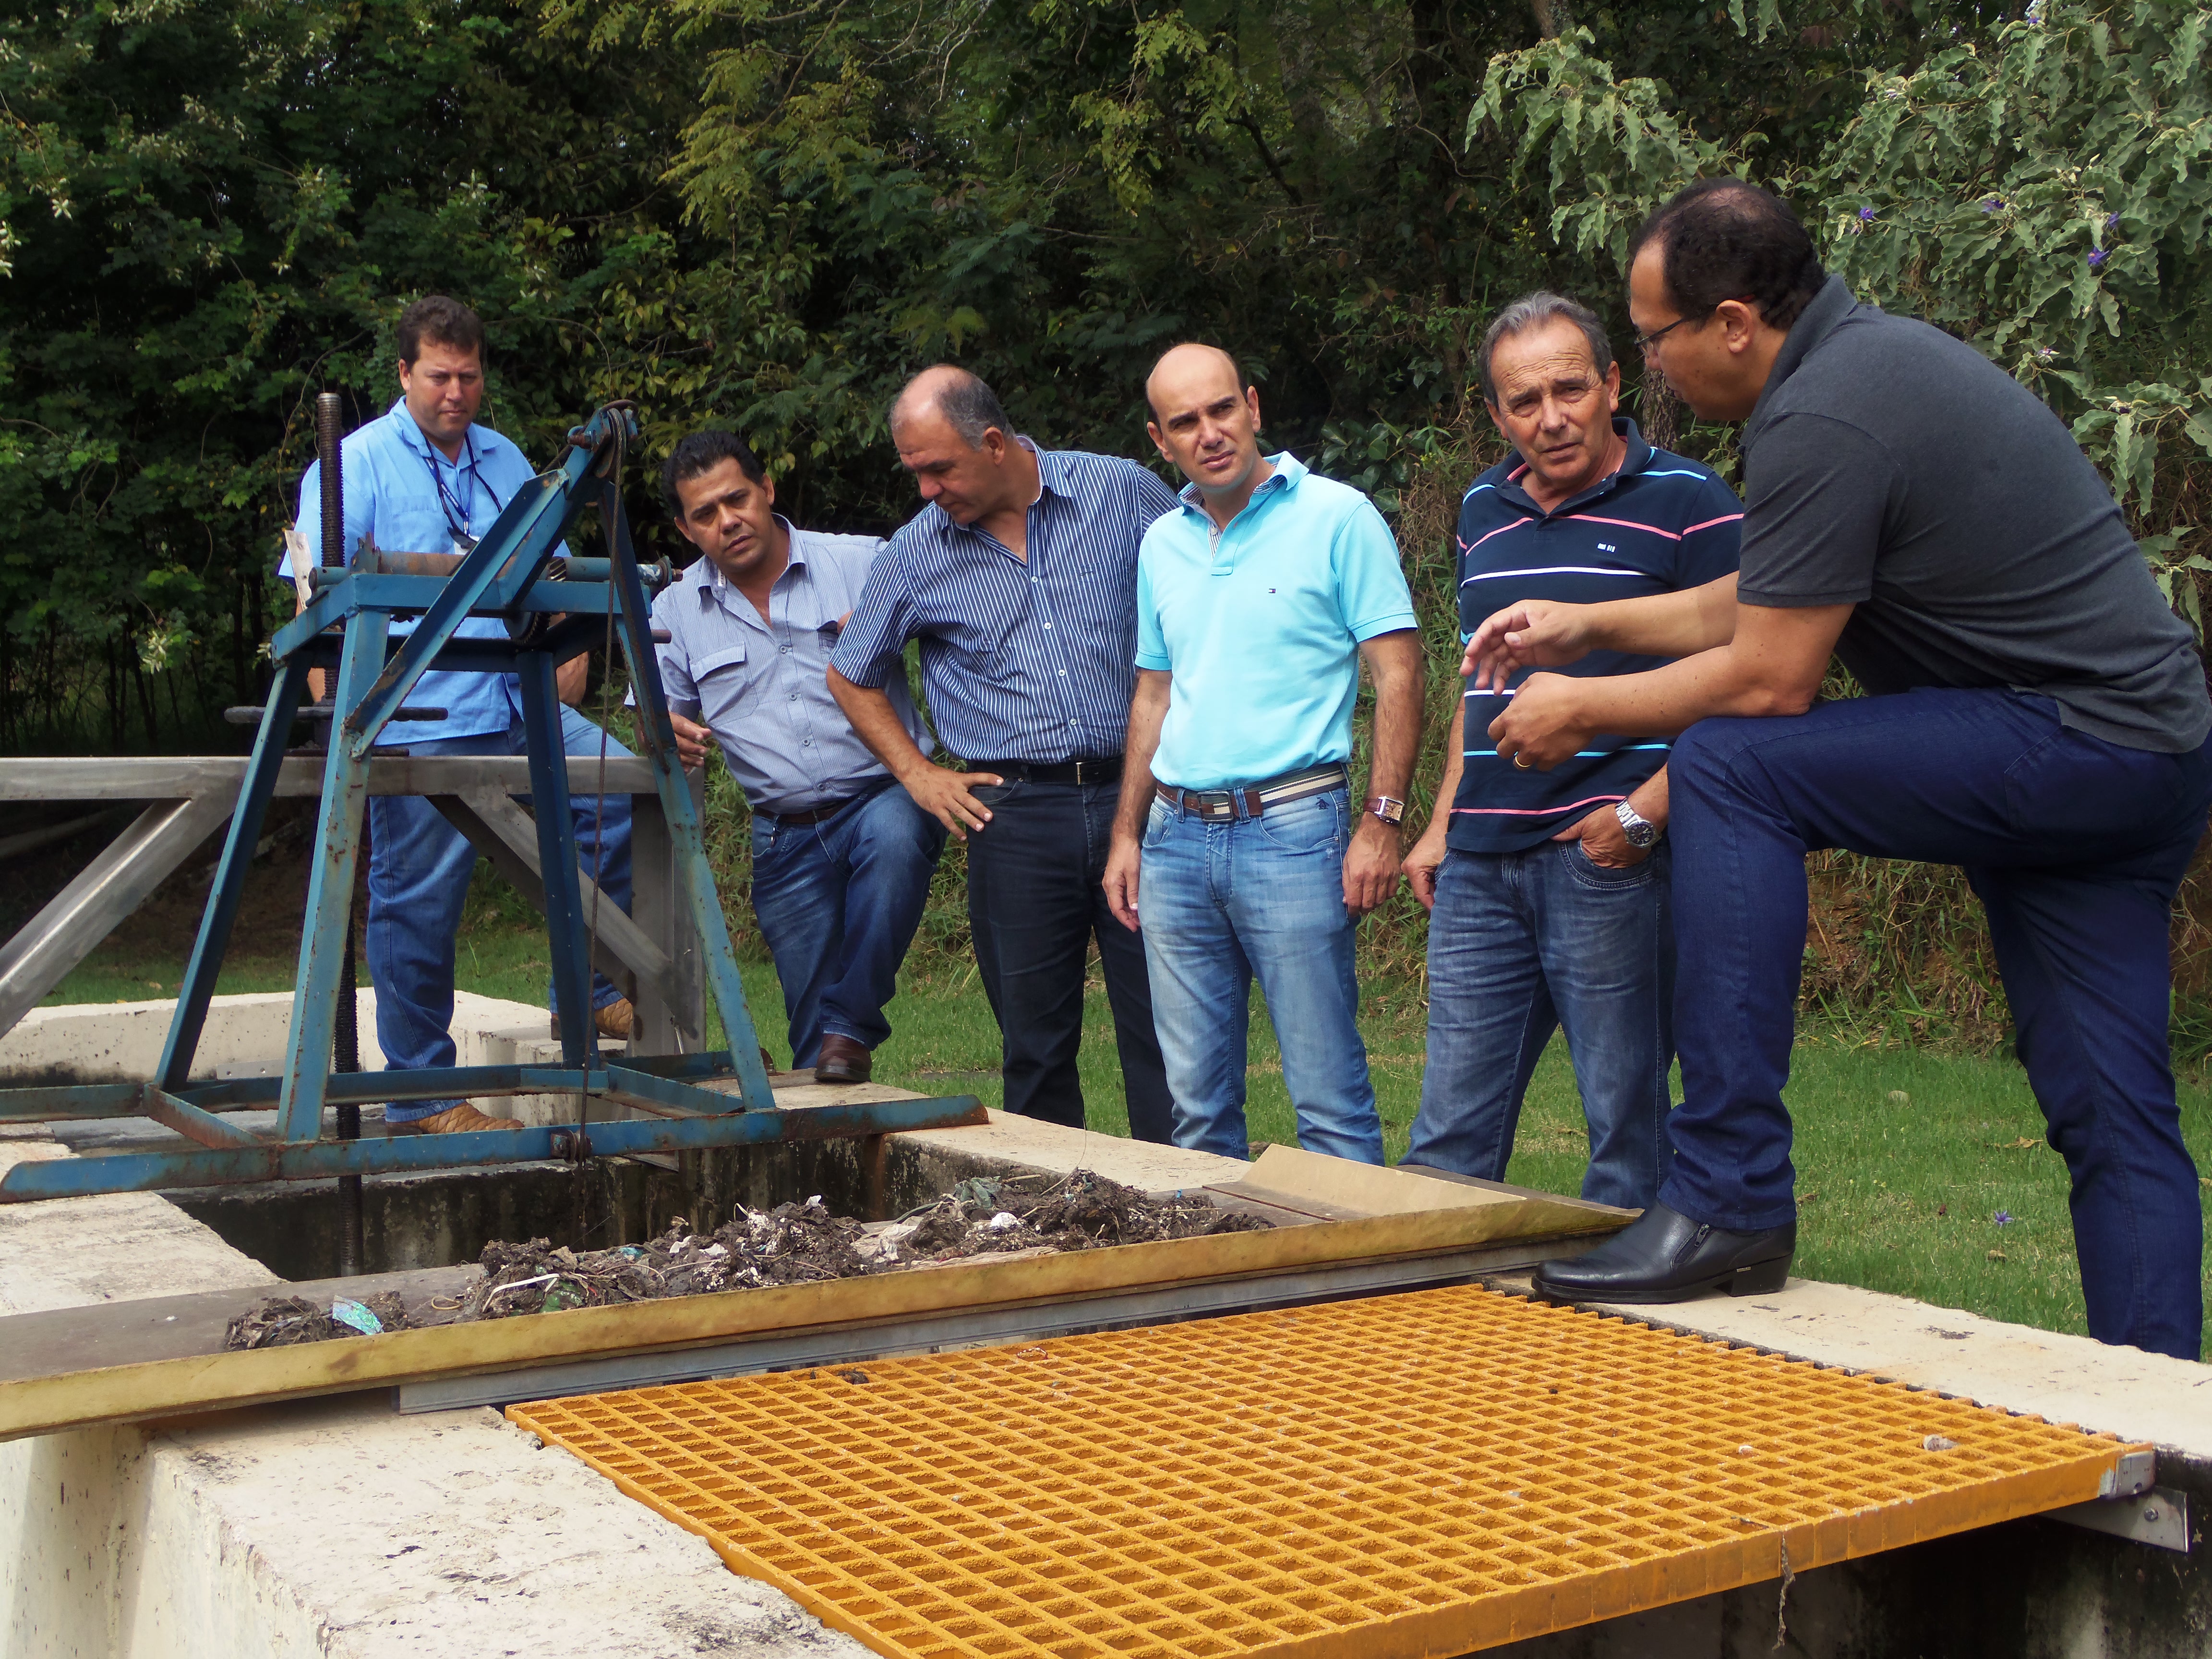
1641, 834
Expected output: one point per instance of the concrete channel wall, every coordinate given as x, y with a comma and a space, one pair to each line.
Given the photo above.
338, 1527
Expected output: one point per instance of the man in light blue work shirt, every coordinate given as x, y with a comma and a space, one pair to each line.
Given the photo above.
1255, 604
842, 855
425, 478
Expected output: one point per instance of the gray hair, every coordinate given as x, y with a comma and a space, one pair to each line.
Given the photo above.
1534, 311
970, 407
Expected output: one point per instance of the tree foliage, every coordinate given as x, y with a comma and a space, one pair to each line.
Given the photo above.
767, 215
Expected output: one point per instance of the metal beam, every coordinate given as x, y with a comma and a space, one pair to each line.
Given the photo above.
315, 1160
189, 1018
2158, 1516
670, 1013
164, 777
344, 804
504, 833
42, 952
203, 1129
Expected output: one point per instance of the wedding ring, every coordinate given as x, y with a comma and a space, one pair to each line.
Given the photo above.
1520, 762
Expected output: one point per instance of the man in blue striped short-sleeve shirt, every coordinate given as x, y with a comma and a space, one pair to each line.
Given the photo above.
1548, 890
1019, 577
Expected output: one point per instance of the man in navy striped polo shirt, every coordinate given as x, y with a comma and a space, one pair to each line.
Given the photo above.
1019, 578
1548, 890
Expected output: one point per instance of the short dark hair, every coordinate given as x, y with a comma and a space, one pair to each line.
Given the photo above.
1534, 311
970, 406
442, 322
702, 451
1722, 239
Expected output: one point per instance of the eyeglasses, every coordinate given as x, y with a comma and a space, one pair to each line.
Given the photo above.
1645, 341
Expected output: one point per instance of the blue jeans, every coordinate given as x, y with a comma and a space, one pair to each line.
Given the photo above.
2076, 847
1223, 900
838, 902
419, 867
1521, 944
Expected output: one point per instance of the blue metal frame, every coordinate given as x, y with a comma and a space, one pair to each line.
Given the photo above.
499, 577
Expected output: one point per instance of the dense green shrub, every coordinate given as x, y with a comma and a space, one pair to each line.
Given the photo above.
766, 217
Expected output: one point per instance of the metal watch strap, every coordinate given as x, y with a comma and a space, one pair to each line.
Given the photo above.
1631, 821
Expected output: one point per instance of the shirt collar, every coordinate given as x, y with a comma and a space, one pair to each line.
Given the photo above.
1288, 470
1829, 306
482, 440
1052, 471
709, 576
1637, 457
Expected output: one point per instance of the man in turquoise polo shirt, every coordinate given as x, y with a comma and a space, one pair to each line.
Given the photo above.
1255, 604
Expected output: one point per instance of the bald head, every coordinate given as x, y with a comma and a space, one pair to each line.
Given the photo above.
960, 399
1191, 368
956, 439
1205, 421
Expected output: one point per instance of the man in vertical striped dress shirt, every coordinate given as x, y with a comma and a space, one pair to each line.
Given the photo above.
1019, 577
1548, 890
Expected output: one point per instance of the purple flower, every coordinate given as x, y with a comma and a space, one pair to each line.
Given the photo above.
2004, 1217
2096, 257
2111, 220
1866, 216
1991, 204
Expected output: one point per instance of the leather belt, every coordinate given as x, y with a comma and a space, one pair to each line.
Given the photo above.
1255, 799
819, 814
1106, 770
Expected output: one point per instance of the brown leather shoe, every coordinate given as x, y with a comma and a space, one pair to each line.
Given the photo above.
843, 1060
617, 1020
460, 1120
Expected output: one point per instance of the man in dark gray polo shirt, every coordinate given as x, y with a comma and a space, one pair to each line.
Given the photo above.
2036, 714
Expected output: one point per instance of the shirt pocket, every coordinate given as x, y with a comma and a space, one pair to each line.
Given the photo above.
719, 678
412, 528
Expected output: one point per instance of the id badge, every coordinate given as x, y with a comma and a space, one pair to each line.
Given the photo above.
464, 544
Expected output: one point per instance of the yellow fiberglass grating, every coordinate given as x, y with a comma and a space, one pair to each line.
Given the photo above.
1417, 1474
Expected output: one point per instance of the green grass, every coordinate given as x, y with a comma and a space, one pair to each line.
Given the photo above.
1905, 1157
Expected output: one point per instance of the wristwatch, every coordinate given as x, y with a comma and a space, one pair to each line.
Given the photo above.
1639, 829
1389, 808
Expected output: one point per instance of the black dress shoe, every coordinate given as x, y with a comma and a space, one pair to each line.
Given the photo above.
843, 1060
1664, 1256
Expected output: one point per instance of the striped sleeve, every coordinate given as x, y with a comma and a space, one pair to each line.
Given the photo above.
873, 640
1150, 500
1712, 541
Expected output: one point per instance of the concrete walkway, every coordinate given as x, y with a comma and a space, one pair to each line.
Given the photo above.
338, 1528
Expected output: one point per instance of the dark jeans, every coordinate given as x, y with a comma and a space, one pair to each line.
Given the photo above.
1034, 901
2076, 847
838, 902
1520, 945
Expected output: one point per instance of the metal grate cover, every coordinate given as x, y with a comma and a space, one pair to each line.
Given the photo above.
1417, 1474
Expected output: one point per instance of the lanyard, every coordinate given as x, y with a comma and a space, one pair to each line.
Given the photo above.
462, 538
